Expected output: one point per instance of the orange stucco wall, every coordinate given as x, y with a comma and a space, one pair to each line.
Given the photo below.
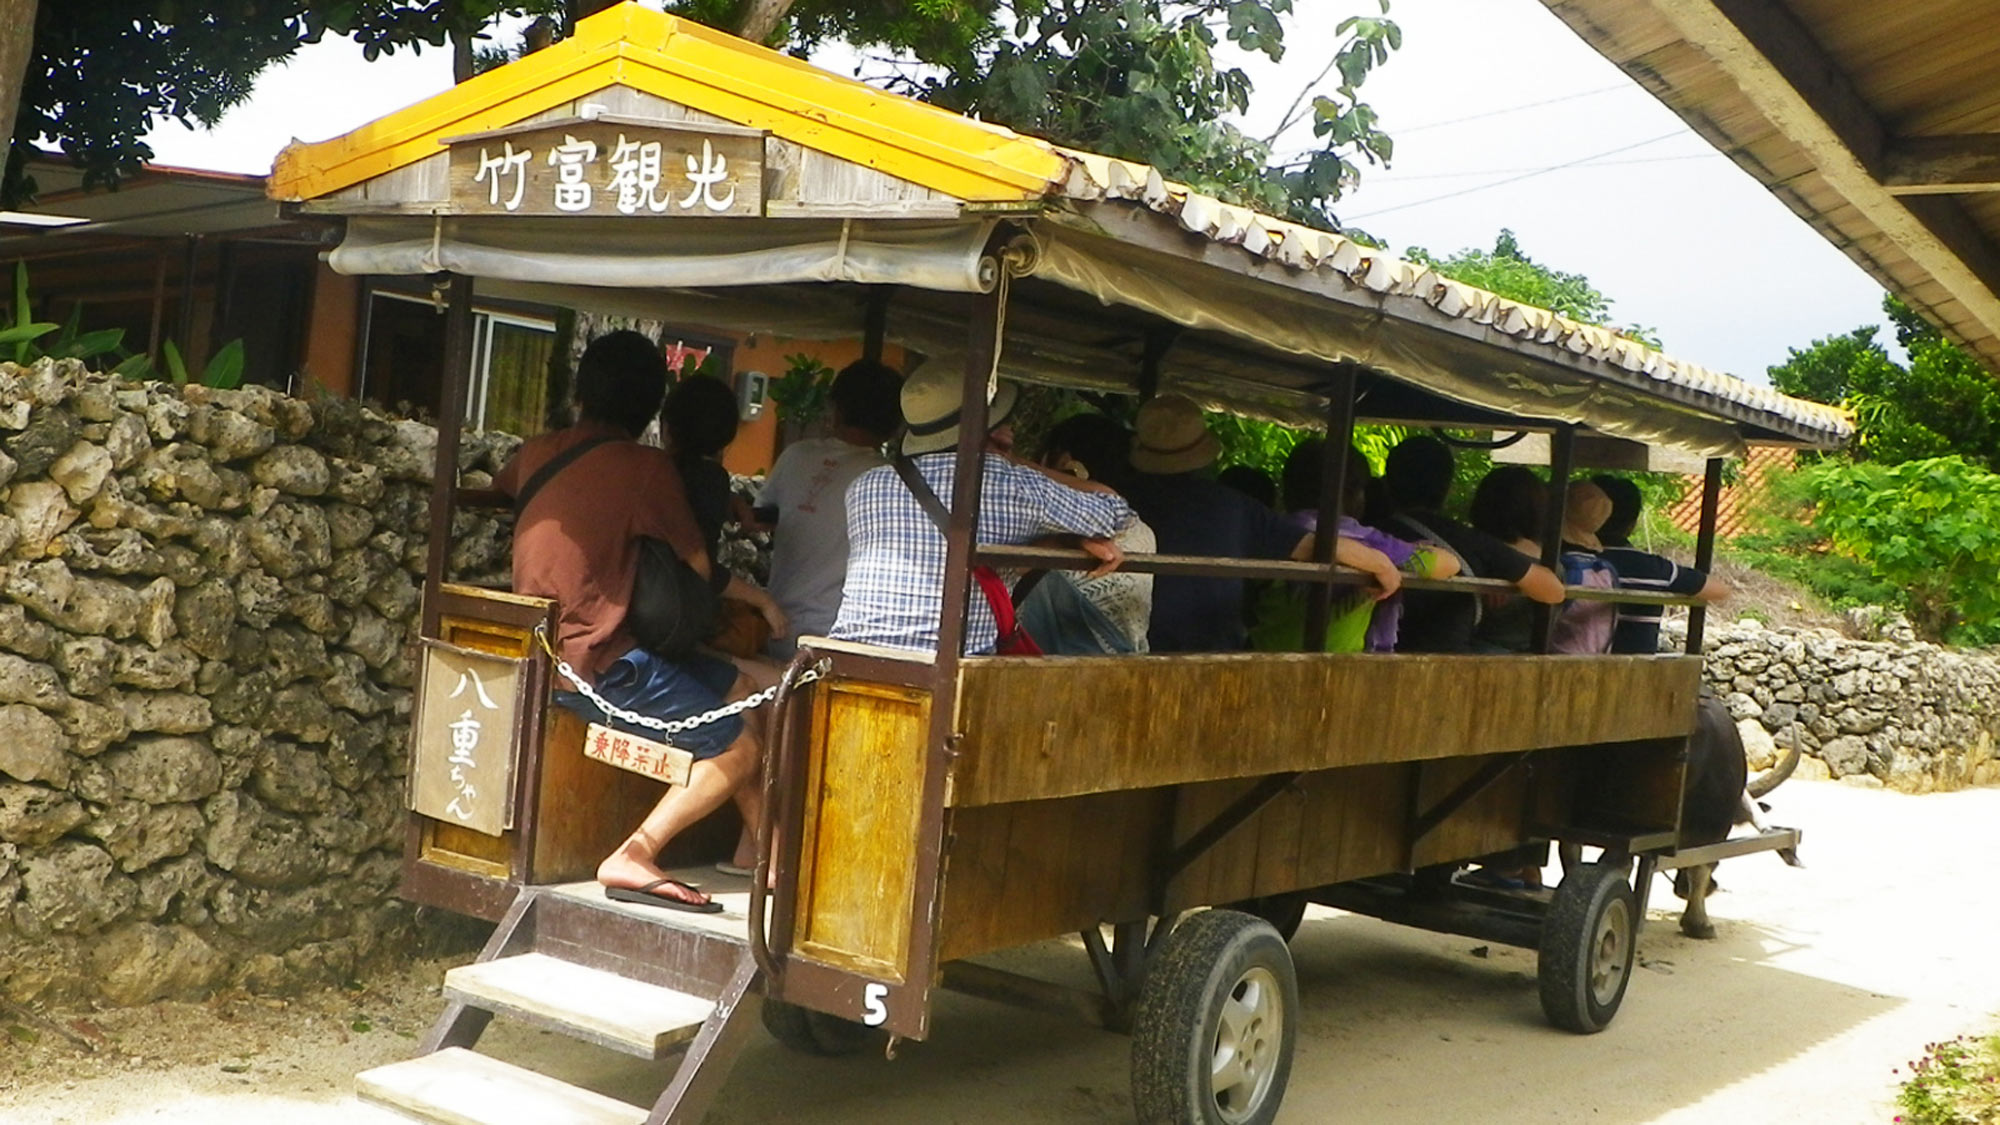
756, 444
331, 329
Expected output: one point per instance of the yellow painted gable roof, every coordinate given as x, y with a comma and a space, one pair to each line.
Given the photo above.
706, 70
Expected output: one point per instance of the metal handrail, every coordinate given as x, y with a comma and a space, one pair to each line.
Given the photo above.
777, 748
1063, 558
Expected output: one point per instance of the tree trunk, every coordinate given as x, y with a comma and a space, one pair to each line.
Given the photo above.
762, 19
17, 41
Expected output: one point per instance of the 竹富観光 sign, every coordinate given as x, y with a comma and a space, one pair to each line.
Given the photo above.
609, 166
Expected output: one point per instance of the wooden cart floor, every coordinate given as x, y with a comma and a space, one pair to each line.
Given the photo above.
732, 891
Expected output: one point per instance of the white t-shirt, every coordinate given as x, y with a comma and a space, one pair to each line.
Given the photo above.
808, 487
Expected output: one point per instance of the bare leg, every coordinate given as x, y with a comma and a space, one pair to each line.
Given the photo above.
710, 783
753, 676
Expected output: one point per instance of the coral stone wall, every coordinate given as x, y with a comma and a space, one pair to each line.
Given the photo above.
1912, 716
207, 604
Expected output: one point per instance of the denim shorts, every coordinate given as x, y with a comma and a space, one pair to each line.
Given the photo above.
663, 689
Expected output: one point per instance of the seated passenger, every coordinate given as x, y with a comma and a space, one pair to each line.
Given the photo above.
1510, 504
1356, 621
1191, 513
1585, 626
1070, 614
1418, 478
700, 421
896, 555
1638, 629
804, 499
577, 540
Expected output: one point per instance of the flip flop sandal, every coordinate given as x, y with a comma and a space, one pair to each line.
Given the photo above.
645, 897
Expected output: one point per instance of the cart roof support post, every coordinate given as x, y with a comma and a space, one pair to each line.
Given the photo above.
1562, 455
451, 421
875, 323
1332, 486
1704, 547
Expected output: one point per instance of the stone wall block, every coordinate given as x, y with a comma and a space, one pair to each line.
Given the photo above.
86, 663
36, 816
295, 469
25, 681
33, 746
292, 779
158, 770
349, 525
139, 835
47, 434
71, 887
138, 963
41, 510
93, 727
163, 712
82, 471
290, 539
126, 441
229, 435
22, 634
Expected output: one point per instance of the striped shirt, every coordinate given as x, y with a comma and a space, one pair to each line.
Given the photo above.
1638, 629
895, 561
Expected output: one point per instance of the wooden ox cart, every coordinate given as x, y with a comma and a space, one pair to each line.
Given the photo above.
932, 809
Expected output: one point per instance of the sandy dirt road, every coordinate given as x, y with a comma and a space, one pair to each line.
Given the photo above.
1822, 983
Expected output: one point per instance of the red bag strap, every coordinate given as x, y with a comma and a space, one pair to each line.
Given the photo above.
1012, 640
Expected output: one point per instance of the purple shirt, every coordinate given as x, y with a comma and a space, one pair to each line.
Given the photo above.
1388, 615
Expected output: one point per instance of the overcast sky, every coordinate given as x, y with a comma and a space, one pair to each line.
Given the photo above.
1501, 117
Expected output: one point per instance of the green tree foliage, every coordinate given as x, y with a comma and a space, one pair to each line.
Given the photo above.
1929, 528
1138, 79
103, 72
1943, 404
1507, 270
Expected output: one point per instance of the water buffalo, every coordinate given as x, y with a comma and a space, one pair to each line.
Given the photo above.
1719, 795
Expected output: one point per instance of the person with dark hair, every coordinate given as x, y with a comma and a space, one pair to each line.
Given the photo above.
1355, 620
585, 496
1252, 482
1417, 479
700, 421
1638, 628
1192, 513
1511, 505
804, 499
1071, 614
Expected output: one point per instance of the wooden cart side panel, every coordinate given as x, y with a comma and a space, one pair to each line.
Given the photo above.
1004, 886
585, 808
864, 780
1048, 727
467, 624
1493, 821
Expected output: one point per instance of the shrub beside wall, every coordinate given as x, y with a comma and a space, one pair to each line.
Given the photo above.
207, 605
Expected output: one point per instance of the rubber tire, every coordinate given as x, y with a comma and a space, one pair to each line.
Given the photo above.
1284, 912
1569, 946
816, 1033
1180, 1004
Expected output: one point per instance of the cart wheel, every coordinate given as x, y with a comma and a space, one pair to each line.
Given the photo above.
816, 1033
1588, 941
1285, 912
1215, 1023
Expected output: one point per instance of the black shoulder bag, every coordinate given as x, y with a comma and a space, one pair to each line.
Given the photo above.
673, 608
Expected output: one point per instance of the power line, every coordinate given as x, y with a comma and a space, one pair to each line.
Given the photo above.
1408, 129
1599, 164
1519, 178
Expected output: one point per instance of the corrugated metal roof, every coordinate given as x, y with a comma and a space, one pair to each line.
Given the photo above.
1093, 177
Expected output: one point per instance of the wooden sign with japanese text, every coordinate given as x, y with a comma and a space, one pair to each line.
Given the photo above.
468, 731
610, 166
656, 760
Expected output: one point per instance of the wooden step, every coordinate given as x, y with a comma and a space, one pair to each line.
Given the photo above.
598, 1007
457, 1087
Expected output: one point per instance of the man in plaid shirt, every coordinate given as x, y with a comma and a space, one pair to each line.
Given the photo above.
896, 555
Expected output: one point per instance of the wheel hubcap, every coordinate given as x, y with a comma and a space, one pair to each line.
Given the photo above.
1610, 949
1248, 1042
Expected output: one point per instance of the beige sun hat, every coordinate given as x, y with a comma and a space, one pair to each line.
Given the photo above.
931, 398
1585, 511
1172, 437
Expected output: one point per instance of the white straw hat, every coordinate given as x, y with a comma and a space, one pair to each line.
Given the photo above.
931, 398
1172, 437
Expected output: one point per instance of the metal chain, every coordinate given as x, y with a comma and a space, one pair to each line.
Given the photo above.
670, 727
